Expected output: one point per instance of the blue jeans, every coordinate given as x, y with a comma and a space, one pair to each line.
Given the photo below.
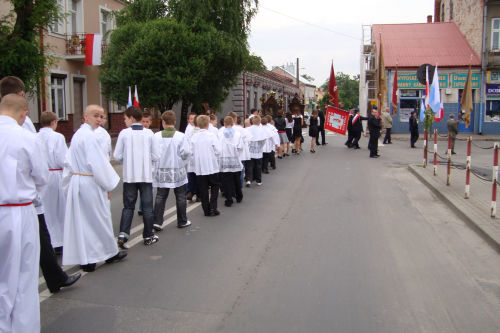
192, 185
129, 199
180, 204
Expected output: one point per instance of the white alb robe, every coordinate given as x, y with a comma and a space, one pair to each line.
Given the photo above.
212, 129
245, 135
170, 169
189, 136
138, 150
257, 141
205, 147
22, 170
52, 196
104, 140
231, 146
88, 177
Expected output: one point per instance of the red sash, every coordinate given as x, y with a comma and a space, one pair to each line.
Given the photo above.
17, 204
55, 169
355, 119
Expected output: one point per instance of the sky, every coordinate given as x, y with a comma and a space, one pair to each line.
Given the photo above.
319, 31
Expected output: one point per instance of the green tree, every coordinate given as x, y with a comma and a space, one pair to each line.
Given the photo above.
21, 53
348, 88
164, 58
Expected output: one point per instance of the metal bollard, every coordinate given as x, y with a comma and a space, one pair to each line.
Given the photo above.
435, 151
467, 168
425, 148
448, 162
494, 180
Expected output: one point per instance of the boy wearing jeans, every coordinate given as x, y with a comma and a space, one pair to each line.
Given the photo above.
170, 171
138, 150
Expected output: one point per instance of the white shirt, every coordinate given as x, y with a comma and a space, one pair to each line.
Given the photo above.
289, 124
206, 151
231, 147
23, 167
104, 140
138, 150
170, 169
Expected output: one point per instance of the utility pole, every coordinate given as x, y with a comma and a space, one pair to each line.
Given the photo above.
298, 81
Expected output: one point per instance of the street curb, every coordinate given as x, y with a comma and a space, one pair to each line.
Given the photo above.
460, 211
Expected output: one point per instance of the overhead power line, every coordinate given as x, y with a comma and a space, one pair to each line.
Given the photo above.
311, 24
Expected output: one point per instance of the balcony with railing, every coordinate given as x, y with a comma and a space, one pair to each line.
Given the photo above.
76, 44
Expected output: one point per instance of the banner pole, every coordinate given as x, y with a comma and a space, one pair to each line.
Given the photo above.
467, 168
494, 180
435, 152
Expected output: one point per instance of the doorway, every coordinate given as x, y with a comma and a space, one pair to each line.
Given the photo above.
78, 102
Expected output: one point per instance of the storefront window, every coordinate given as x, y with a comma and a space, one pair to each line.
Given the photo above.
410, 101
492, 110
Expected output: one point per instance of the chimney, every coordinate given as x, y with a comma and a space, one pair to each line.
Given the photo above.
437, 10
429, 18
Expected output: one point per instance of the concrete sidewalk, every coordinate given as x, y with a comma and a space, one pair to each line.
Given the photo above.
475, 211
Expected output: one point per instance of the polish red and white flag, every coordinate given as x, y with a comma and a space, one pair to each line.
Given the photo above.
136, 98
93, 44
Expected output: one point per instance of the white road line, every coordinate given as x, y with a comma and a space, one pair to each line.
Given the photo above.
45, 293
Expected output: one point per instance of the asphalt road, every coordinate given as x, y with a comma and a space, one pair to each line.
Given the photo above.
331, 242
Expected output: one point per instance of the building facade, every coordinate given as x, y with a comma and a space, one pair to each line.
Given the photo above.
426, 43
69, 85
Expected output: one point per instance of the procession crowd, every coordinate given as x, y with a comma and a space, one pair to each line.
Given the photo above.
68, 189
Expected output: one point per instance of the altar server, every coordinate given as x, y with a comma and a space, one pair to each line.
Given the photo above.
103, 136
253, 167
170, 171
88, 179
52, 196
230, 164
22, 170
206, 151
138, 150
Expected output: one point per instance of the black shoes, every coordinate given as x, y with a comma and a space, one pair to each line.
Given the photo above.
88, 268
265, 171
228, 203
119, 256
69, 281
214, 212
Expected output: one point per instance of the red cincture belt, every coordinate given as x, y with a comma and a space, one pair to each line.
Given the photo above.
17, 204
55, 169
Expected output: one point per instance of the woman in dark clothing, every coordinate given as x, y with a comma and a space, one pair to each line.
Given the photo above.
298, 121
313, 129
289, 132
280, 124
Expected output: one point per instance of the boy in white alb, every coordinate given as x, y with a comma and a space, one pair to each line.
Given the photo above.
53, 199
192, 187
253, 167
205, 147
230, 164
146, 122
138, 150
103, 136
170, 171
22, 170
88, 179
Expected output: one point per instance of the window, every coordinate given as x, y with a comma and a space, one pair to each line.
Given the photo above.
495, 34
451, 10
442, 12
58, 95
255, 100
248, 99
74, 17
58, 27
106, 22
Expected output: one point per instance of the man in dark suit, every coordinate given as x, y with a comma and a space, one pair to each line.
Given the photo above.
356, 128
413, 129
350, 136
374, 126
321, 127
452, 125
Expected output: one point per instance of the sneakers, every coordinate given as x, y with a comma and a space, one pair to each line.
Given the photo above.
157, 227
248, 183
258, 184
121, 242
187, 224
151, 240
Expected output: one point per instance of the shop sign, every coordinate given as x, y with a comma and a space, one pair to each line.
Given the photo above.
458, 81
409, 81
493, 89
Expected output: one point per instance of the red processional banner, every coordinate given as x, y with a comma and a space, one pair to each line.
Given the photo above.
336, 120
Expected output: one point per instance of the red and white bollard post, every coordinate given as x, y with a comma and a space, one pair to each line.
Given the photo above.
448, 164
425, 148
467, 168
435, 151
494, 180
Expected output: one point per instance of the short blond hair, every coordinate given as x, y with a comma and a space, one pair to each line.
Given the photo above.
13, 103
228, 121
202, 121
46, 118
93, 107
255, 120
